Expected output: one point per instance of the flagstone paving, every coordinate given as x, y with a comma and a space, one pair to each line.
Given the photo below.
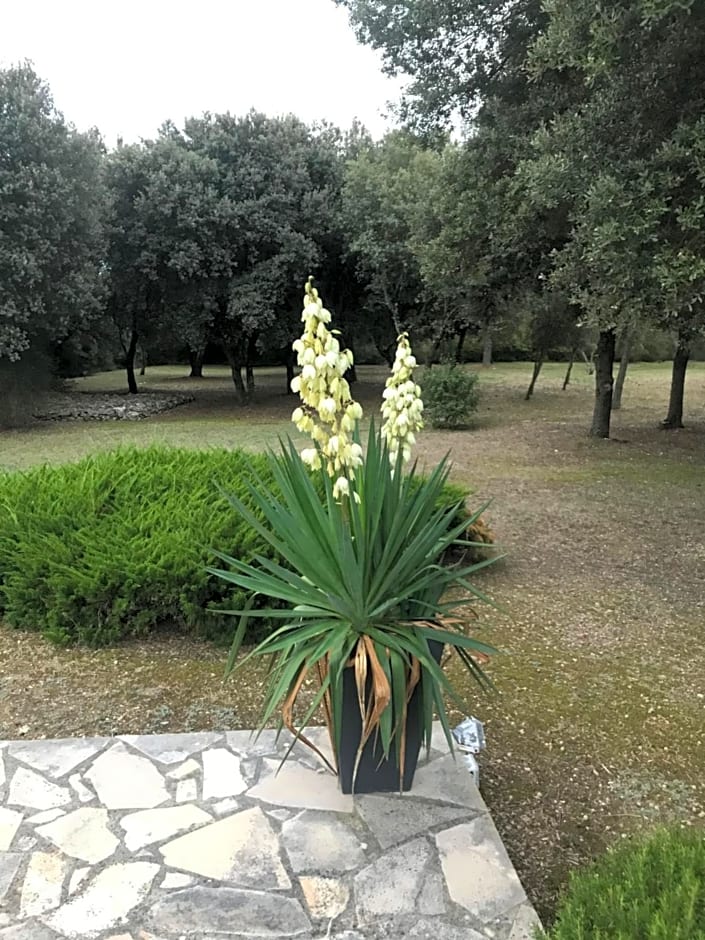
198, 837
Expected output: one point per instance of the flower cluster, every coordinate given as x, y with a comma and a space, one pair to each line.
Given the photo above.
402, 406
328, 412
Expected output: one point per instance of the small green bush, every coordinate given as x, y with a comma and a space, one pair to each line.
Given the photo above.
450, 395
117, 545
648, 890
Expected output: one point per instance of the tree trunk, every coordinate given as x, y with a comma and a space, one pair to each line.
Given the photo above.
538, 362
235, 364
589, 364
674, 418
143, 357
604, 365
195, 358
622, 372
249, 368
487, 347
351, 374
566, 380
461, 342
130, 354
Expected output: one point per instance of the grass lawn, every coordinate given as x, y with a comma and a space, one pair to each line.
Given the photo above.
598, 728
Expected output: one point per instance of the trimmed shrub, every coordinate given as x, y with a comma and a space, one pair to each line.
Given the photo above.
117, 545
648, 890
450, 395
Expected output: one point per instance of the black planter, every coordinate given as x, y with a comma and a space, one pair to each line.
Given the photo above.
374, 773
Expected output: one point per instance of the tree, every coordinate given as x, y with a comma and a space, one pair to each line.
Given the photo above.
637, 136
50, 207
381, 187
161, 219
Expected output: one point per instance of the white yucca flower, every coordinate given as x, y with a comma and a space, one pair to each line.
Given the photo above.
402, 405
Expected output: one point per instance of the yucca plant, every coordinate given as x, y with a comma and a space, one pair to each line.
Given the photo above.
367, 590
362, 569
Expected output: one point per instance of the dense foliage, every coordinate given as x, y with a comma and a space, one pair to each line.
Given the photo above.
653, 889
117, 544
450, 395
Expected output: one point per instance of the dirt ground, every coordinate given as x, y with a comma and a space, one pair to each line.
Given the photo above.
598, 726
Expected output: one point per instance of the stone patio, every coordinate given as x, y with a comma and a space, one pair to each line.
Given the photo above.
172, 837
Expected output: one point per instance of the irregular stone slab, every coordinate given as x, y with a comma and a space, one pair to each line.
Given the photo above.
391, 885
228, 912
2, 770
41, 889
80, 789
446, 781
525, 924
30, 930
46, 816
225, 807
186, 769
172, 748
395, 819
28, 788
9, 865
10, 821
241, 849
317, 842
82, 834
124, 780
432, 898
221, 774
325, 897
186, 791
106, 901
252, 745
175, 879
479, 875
302, 788
56, 758
438, 930
77, 879
155, 825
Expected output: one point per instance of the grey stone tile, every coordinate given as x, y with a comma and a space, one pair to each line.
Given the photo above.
187, 769
83, 834
186, 790
438, 930
479, 875
247, 742
106, 902
228, 912
326, 898
241, 849
447, 781
155, 825
9, 866
80, 789
395, 819
57, 758
10, 820
172, 748
31, 790
432, 899
2, 770
124, 780
43, 882
525, 923
300, 788
222, 776
29, 930
321, 843
391, 885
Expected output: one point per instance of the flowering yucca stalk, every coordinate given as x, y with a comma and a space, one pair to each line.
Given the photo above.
402, 406
327, 413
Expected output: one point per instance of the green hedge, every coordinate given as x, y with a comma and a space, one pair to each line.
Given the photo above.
117, 545
652, 889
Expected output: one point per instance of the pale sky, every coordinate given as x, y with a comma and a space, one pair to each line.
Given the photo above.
125, 66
